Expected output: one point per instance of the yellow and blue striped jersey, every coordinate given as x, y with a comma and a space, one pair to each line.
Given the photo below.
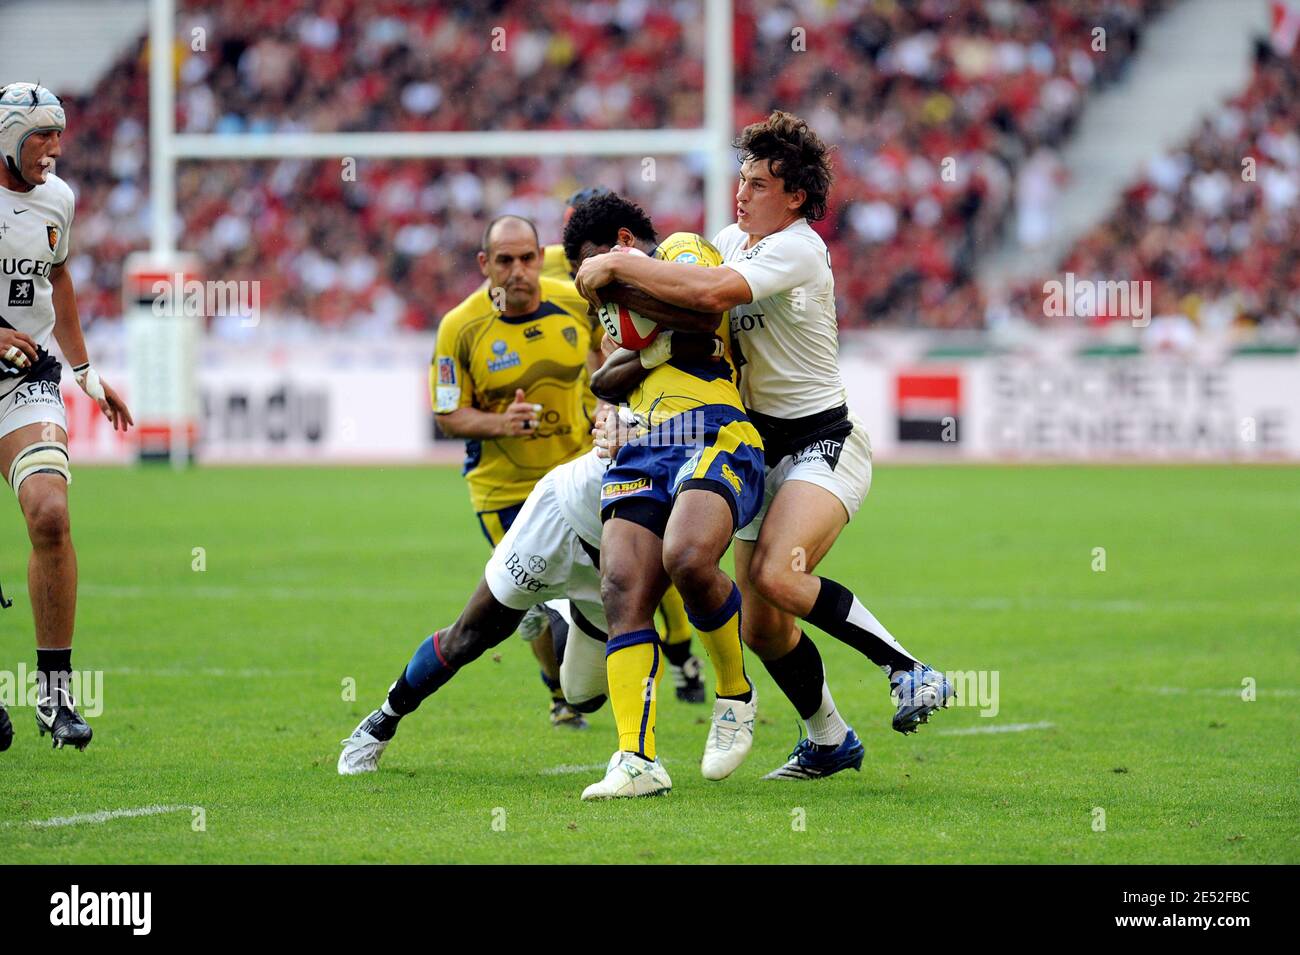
482, 357
677, 386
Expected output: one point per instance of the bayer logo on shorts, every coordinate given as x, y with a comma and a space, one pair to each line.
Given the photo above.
536, 564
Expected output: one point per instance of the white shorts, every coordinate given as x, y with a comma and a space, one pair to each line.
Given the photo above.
32, 402
541, 558
847, 476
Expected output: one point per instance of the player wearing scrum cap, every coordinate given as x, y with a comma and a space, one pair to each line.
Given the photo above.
776, 281
37, 300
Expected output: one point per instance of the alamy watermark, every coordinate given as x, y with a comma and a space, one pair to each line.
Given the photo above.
23, 687
177, 296
1088, 298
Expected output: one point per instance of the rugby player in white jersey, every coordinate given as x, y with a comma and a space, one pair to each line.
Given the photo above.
776, 281
37, 301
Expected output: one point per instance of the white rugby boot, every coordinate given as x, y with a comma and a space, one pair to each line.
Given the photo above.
731, 734
630, 775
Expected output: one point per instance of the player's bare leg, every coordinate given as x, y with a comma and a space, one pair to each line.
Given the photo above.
51, 584
697, 535
484, 623
801, 524
632, 582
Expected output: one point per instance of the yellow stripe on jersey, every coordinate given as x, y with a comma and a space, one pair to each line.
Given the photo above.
675, 387
730, 437
482, 357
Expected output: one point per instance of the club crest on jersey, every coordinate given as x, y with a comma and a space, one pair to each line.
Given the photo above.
571, 336
52, 233
446, 371
505, 358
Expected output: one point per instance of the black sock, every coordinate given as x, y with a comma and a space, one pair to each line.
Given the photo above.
53, 668
842, 615
800, 676
677, 653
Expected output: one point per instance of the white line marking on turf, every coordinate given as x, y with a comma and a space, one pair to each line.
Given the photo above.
241, 674
1221, 691
997, 728
567, 769
104, 815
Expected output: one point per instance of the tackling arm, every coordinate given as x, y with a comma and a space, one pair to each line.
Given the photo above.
682, 284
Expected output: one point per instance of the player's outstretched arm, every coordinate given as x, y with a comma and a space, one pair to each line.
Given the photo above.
682, 284
67, 332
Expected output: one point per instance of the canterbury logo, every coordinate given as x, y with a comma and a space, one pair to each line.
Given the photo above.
732, 477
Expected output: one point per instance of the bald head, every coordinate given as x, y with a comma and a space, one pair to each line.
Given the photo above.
511, 260
510, 227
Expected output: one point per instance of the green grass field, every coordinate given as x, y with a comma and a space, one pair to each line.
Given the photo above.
1119, 690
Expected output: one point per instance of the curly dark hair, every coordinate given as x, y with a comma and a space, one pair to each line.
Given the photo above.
598, 220
796, 155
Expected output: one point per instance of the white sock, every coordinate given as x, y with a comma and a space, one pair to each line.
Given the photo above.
826, 727
864, 619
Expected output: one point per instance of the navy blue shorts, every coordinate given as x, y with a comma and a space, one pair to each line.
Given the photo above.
714, 447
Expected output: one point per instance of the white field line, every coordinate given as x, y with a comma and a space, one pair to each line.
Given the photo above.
996, 728
245, 673
568, 769
1219, 691
288, 592
94, 818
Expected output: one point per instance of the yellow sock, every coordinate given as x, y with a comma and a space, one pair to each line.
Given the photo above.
677, 626
720, 634
633, 666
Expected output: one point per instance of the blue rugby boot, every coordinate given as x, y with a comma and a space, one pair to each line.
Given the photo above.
810, 761
918, 693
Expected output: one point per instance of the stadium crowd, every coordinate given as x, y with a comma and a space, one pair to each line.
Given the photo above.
936, 106
1213, 223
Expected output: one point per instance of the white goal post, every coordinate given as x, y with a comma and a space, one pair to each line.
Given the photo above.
713, 139
167, 147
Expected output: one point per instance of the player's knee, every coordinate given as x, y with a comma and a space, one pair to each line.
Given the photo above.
618, 590
688, 563
48, 523
774, 580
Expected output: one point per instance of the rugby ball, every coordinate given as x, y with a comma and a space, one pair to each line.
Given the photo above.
628, 329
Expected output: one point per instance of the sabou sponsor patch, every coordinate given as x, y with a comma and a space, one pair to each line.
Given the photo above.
619, 488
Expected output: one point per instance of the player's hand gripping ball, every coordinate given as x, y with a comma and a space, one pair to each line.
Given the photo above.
628, 328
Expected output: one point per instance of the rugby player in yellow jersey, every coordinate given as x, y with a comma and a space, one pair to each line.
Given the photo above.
670, 503
675, 631
510, 377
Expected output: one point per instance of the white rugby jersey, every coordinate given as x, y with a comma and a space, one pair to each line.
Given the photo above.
35, 236
577, 492
786, 339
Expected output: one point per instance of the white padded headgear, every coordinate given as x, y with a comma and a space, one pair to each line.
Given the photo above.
26, 108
